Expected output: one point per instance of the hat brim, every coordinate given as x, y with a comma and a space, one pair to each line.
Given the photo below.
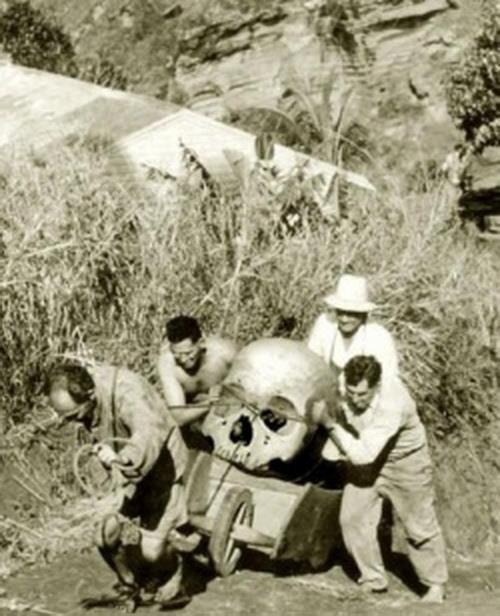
340, 304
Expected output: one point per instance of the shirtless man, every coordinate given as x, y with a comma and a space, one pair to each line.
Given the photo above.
190, 364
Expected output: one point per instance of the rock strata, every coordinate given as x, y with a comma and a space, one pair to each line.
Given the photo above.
222, 57
394, 56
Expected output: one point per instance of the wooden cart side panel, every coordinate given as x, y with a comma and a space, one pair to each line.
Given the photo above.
197, 483
224, 469
272, 498
300, 521
270, 505
312, 529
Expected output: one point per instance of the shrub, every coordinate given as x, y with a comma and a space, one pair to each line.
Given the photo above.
65, 264
87, 261
473, 88
90, 266
32, 40
98, 69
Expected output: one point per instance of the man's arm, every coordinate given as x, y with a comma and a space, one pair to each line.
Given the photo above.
174, 393
365, 447
316, 339
188, 414
148, 428
172, 389
368, 445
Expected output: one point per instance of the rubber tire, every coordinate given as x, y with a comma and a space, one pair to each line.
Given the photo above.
236, 507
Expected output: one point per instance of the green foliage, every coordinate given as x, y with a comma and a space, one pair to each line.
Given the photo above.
317, 123
473, 88
32, 40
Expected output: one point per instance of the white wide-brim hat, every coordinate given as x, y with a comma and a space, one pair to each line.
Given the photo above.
351, 295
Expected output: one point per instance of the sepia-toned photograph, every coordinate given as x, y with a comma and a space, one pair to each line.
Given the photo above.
250, 307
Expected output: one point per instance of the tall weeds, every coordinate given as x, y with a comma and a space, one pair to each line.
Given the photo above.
89, 265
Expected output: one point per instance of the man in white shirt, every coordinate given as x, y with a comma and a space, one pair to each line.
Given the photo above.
343, 330
383, 441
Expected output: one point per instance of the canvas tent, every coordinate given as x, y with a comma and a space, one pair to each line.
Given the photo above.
151, 136
38, 108
161, 146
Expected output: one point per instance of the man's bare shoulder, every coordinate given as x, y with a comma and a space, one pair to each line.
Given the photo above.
165, 355
217, 346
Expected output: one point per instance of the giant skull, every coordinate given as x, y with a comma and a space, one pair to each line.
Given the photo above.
266, 403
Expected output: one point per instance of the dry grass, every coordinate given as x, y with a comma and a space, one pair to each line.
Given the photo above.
61, 529
89, 266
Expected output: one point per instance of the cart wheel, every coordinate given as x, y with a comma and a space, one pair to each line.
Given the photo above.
236, 508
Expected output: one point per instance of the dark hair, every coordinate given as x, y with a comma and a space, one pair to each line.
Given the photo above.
74, 378
182, 327
362, 367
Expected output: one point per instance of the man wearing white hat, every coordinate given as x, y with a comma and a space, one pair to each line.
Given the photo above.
343, 330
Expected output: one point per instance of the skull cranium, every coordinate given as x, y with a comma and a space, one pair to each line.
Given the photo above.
264, 413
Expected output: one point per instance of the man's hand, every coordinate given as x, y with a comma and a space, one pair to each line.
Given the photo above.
108, 456
214, 393
322, 415
209, 397
331, 419
332, 449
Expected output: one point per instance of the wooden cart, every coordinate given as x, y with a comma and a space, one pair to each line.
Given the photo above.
237, 510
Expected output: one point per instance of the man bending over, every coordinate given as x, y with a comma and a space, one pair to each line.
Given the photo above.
380, 435
115, 402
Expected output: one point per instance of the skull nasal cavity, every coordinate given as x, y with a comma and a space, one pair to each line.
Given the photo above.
242, 431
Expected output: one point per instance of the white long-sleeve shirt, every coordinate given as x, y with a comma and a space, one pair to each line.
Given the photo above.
371, 339
390, 421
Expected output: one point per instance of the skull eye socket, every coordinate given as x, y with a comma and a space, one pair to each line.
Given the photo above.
272, 420
283, 407
242, 432
279, 415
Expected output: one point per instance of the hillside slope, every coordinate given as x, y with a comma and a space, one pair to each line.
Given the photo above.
220, 56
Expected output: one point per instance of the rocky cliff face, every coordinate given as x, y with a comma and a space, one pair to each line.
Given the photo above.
226, 55
395, 54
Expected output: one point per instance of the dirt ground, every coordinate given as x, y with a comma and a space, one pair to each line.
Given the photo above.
259, 587
256, 588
